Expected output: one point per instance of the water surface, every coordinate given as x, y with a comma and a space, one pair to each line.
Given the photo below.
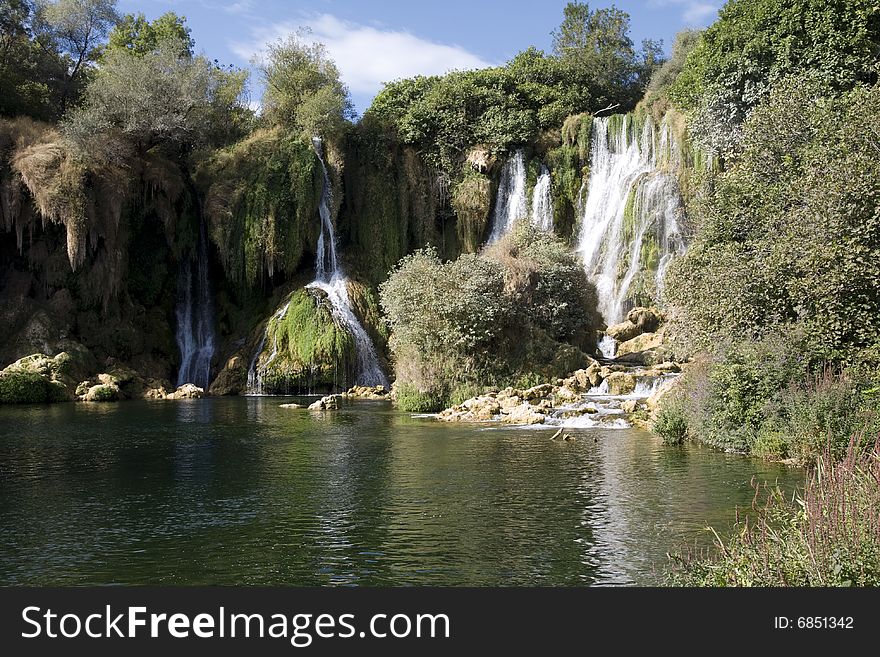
240, 491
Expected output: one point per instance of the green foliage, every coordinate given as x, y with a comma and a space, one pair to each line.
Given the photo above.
522, 308
788, 235
139, 36
152, 98
23, 387
75, 29
303, 90
411, 399
595, 66
391, 204
671, 425
261, 198
756, 43
829, 537
313, 351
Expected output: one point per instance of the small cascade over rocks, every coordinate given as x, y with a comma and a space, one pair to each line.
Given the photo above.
600, 396
195, 317
510, 203
542, 202
329, 278
630, 220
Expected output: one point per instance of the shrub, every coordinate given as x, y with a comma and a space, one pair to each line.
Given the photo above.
671, 425
409, 398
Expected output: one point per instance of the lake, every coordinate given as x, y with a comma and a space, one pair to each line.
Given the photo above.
240, 491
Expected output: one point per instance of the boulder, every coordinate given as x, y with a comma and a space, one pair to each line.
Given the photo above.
187, 391
523, 414
291, 406
624, 331
232, 379
328, 403
102, 392
317, 406
538, 392
640, 343
629, 406
647, 320
41, 378
621, 383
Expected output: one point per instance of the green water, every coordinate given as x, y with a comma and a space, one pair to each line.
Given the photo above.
240, 491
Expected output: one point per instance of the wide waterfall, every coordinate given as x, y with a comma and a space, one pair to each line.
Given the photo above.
329, 278
510, 203
630, 222
195, 318
542, 202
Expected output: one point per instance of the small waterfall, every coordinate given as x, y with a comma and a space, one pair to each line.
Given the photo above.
257, 371
195, 318
607, 346
330, 278
542, 202
510, 204
630, 229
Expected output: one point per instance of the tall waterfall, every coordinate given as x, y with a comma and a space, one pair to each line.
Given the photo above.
330, 278
510, 203
542, 202
629, 229
195, 318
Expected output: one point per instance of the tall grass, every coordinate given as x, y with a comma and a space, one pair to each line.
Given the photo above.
827, 535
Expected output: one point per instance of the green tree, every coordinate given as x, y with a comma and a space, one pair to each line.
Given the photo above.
140, 36
159, 97
303, 89
756, 43
76, 29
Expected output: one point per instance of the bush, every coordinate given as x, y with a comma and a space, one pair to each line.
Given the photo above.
671, 425
523, 308
829, 537
412, 400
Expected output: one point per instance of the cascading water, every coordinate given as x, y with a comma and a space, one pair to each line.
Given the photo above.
195, 318
542, 202
510, 204
630, 229
329, 278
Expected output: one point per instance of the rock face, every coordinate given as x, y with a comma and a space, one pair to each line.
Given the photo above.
232, 379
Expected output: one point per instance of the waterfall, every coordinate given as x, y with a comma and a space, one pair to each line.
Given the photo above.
542, 202
195, 318
629, 229
510, 203
329, 278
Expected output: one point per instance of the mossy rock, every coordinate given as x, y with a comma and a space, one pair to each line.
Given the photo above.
306, 349
102, 392
24, 387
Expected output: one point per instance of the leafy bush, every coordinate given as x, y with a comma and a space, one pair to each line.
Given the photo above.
412, 400
671, 425
523, 307
829, 537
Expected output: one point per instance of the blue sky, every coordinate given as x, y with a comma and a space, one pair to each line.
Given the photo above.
379, 41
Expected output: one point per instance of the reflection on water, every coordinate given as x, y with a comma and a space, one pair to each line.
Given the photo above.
239, 490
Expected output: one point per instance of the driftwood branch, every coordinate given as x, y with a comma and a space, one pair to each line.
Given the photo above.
607, 109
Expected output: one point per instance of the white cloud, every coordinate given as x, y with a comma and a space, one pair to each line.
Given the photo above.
694, 12
368, 56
